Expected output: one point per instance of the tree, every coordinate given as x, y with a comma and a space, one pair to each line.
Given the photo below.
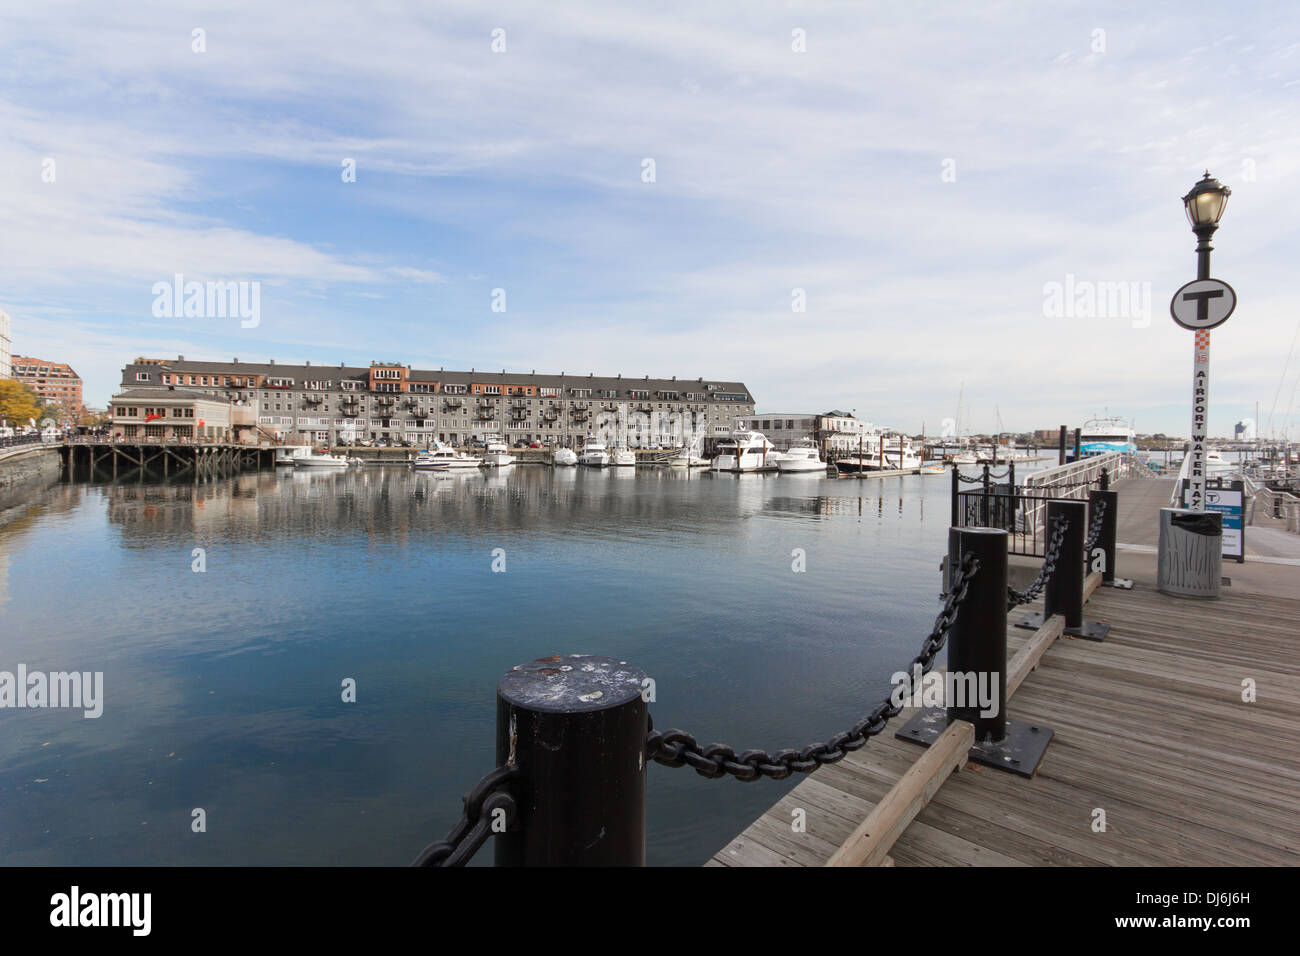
18, 403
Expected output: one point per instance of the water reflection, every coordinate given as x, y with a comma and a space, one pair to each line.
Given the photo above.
223, 686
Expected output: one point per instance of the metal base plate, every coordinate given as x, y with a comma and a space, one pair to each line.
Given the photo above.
1090, 631
1124, 583
1020, 751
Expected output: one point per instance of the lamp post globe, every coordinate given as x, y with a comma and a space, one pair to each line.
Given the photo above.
1204, 205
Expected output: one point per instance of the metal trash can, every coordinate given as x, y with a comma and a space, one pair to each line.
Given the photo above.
1191, 553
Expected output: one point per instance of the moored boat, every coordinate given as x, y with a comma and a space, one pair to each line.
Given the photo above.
440, 457
496, 453
320, 460
593, 454
801, 457
744, 451
564, 457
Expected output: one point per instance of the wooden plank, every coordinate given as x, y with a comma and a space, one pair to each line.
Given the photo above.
1026, 659
871, 842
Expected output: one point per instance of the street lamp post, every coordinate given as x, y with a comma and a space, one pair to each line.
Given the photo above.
1201, 305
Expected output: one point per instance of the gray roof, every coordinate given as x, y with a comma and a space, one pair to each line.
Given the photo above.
157, 394
303, 373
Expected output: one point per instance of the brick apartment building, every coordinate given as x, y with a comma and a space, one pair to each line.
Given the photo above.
56, 383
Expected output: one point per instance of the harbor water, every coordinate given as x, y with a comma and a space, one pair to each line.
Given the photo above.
226, 618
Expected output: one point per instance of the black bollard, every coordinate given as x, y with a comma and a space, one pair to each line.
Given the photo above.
576, 726
1104, 550
974, 686
977, 643
1064, 592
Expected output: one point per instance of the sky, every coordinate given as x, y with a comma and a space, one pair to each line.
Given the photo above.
862, 206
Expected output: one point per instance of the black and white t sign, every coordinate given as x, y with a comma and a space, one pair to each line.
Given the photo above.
1203, 304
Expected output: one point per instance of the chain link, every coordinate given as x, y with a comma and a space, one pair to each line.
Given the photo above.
676, 748
472, 830
1094, 532
1045, 573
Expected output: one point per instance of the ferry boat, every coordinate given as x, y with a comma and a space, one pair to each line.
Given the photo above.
802, 456
593, 454
744, 451
442, 458
564, 457
1100, 436
496, 453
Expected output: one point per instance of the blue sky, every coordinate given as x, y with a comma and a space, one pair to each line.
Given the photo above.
820, 170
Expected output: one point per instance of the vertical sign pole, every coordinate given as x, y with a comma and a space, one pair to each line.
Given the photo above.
1200, 404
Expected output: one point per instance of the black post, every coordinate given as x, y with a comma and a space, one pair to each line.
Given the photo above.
575, 725
956, 488
1064, 592
984, 499
1060, 458
975, 684
1107, 535
977, 643
1104, 480
1078, 443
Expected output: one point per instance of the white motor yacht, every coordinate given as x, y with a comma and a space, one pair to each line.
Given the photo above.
622, 457
744, 451
440, 457
803, 456
320, 460
593, 454
496, 453
285, 454
564, 457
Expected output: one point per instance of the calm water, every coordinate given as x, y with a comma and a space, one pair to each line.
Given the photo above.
223, 688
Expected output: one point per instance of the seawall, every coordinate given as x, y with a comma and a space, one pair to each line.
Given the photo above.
27, 473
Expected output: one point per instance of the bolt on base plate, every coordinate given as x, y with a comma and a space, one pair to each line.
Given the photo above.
1020, 751
1089, 631
1124, 583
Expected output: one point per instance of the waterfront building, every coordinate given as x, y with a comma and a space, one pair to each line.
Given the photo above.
785, 429
55, 383
6, 347
389, 401
171, 413
838, 433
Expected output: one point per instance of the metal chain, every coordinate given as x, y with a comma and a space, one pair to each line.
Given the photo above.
472, 830
1094, 532
676, 748
1057, 539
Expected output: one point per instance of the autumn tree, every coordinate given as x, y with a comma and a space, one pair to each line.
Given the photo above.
18, 403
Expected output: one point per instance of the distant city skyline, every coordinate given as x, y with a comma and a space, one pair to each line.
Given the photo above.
842, 209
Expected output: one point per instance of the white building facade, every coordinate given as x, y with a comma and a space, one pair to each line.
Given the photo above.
6, 347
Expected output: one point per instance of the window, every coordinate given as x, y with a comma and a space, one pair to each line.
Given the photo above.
142, 376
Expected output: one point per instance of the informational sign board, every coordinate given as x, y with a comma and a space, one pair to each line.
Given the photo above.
1228, 497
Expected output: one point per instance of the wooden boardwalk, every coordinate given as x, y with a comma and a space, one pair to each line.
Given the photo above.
1150, 727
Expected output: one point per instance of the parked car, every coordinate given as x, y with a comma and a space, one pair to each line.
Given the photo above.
536, 444
521, 443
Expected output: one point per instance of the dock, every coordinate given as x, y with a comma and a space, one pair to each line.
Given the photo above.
1156, 760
